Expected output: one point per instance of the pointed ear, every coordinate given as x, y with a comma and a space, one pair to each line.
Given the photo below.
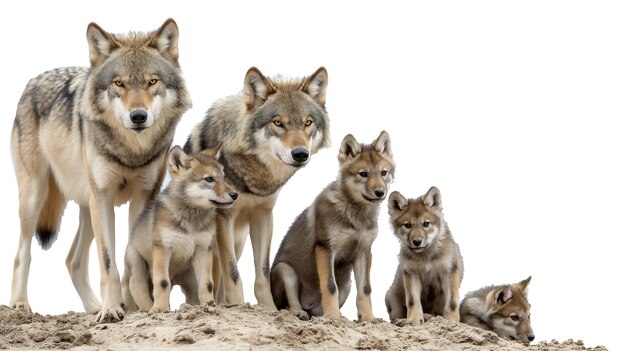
101, 44
177, 160
499, 296
349, 148
213, 152
165, 40
432, 198
523, 286
382, 144
315, 85
256, 88
396, 203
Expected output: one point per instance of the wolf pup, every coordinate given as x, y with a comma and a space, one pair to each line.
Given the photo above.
430, 266
267, 133
174, 235
311, 271
503, 309
98, 136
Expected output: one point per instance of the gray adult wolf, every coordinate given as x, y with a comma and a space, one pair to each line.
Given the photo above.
267, 133
332, 237
172, 241
430, 267
98, 136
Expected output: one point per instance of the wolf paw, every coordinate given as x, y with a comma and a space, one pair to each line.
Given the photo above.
158, 309
371, 319
21, 306
110, 315
302, 315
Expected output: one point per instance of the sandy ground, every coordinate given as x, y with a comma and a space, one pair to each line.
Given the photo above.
246, 328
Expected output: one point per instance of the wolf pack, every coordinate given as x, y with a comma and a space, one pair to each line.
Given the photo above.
102, 136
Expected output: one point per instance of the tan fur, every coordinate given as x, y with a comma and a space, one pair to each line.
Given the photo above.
98, 136
331, 238
503, 309
173, 238
267, 133
430, 267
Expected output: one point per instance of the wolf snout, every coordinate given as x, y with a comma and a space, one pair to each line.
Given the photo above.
300, 154
416, 242
233, 195
530, 338
379, 193
138, 117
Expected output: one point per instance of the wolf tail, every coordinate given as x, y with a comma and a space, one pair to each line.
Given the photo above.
49, 220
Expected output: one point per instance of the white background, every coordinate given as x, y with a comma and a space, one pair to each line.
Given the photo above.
514, 110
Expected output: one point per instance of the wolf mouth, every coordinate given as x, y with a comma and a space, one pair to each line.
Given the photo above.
221, 204
138, 129
378, 199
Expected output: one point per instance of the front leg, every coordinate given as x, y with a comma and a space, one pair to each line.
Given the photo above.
233, 288
325, 262
103, 221
362, 266
161, 284
203, 268
261, 227
413, 292
451, 284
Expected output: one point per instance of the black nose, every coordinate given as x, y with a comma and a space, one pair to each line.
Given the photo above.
233, 195
531, 337
138, 116
417, 242
300, 154
379, 193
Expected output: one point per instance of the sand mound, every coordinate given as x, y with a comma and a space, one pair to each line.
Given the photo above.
243, 328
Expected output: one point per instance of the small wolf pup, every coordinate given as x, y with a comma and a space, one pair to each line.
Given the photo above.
503, 309
98, 136
267, 133
430, 266
172, 241
311, 271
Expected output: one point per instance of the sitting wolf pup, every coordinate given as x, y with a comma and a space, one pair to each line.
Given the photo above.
173, 237
311, 271
503, 309
431, 266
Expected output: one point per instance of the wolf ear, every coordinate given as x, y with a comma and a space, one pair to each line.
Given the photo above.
165, 40
213, 152
178, 160
396, 203
256, 88
523, 286
502, 295
432, 198
101, 44
315, 85
382, 144
349, 148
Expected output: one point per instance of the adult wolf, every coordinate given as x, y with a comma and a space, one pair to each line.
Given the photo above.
98, 136
267, 133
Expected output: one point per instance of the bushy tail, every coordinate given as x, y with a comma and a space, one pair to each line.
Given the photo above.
49, 220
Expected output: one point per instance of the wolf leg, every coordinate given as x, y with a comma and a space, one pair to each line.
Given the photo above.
233, 289
261, 227
203, 267
324, 260
362, 266
77, 261
413, 291
161, 279
138, 290
288, 278
451, 293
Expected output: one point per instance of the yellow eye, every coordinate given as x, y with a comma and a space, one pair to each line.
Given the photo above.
308, 122
278, 123
153, 81
118, 82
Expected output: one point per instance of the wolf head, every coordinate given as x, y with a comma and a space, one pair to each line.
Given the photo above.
199, 179
417, 223
508, 311
288, 116
136, 78
366, 169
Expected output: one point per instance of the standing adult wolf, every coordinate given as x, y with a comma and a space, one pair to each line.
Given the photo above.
268, 132
98, 136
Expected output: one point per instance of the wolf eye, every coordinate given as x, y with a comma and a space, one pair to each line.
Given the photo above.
363, 174
209, 179
515, 318
408, 225
278, 123
383, 173
118, 82
153, 81
426, 224
308, 122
